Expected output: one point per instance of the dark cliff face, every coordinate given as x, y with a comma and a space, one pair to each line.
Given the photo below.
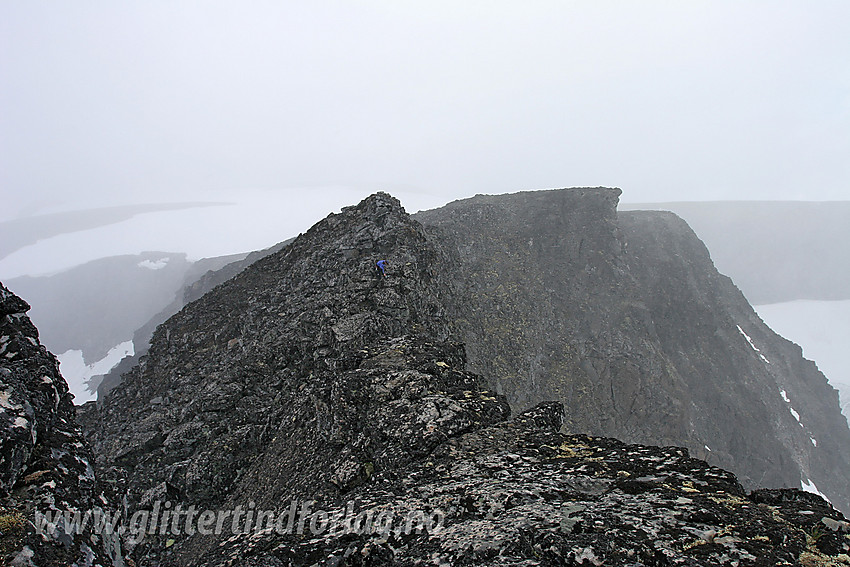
627, 322
45, 465
548, 309
309, 375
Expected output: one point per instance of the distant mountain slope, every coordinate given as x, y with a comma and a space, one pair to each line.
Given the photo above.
97, 305
87, 311
775, 251
196, 284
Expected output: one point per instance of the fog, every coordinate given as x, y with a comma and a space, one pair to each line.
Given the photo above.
252, 220
289, 110
822, 328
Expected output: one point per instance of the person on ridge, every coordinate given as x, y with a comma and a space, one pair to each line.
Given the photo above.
382, 264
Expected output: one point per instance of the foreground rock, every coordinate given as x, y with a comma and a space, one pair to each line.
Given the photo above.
521, 493
45, 466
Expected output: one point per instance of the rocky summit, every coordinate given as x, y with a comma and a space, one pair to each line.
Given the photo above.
313, 410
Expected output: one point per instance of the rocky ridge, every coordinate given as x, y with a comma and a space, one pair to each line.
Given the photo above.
216, 404
309, 376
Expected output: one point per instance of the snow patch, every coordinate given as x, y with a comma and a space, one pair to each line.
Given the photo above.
752, 344
154, 265
796, 415
809, 486
78, 374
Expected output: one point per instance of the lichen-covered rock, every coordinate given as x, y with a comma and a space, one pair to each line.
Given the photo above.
522, 493
45, 465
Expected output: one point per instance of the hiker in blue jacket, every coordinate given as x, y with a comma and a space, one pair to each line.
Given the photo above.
382, 264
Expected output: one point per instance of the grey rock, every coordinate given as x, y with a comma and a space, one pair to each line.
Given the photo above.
45, 464
506, 495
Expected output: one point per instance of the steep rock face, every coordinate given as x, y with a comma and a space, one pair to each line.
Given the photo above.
761, 407
627, 322
44, 463
776, 251
547, 309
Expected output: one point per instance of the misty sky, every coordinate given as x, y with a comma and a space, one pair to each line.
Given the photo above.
291, 109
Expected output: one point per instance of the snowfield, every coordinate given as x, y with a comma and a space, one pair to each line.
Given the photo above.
78, 373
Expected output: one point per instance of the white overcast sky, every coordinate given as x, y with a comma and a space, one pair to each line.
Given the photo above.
290, 109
